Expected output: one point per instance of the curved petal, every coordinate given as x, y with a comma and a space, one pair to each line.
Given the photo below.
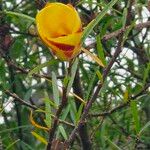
77, 24
57, 19
62, 54
71, 39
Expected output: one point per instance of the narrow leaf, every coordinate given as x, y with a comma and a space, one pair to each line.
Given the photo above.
94, 22
55, 89
39, 67
20, 15
78, 114
27, 145
73, 72
146, 73
100, 50
144, 128
65, 112
94, 57
126, 95
98, 73
90, 86
135, 115
38, 137
16, 128
73, 110
124, 17
12, 144
48, 118
112, 144
35, 124
63, 132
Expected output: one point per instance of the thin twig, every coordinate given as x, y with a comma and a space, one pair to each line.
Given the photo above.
121, 105
139, 26
56, 119
116, 33
23, 102
18, 99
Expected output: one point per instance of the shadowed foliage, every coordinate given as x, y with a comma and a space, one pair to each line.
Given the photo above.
97, 101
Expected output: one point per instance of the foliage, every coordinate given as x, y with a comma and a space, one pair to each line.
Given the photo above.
102, 96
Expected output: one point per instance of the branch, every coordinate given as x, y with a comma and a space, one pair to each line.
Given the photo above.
114, 34
56, 119
23, 102
90, 102
83, 131
18, 99
122, 105
23, 70
139, 26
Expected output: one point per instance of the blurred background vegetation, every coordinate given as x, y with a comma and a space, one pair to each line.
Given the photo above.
120, 116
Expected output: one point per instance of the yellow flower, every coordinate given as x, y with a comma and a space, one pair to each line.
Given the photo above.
59, 27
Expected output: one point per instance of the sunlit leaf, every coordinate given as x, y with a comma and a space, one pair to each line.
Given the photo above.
35, 124
134, 110
39, 137
94, 57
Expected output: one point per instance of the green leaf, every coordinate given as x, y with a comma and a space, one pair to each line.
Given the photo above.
73, 73
55, 89
39, 137
39, 67
63, 132
73, 110
126, 33
66, 81
146, 73
12, 144
102, 132
65, 112
126, 95
78, 114
28, 94
124, 17
51, 102
18, 48
27, 145
90, 86
13, 129
84, 72
11, 13
135, 115
113, 145
100, 50
147, 125
3, 74
48, 112
95, 21
98, 73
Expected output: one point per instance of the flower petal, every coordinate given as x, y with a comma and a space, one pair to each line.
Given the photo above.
71, 39
57, 19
